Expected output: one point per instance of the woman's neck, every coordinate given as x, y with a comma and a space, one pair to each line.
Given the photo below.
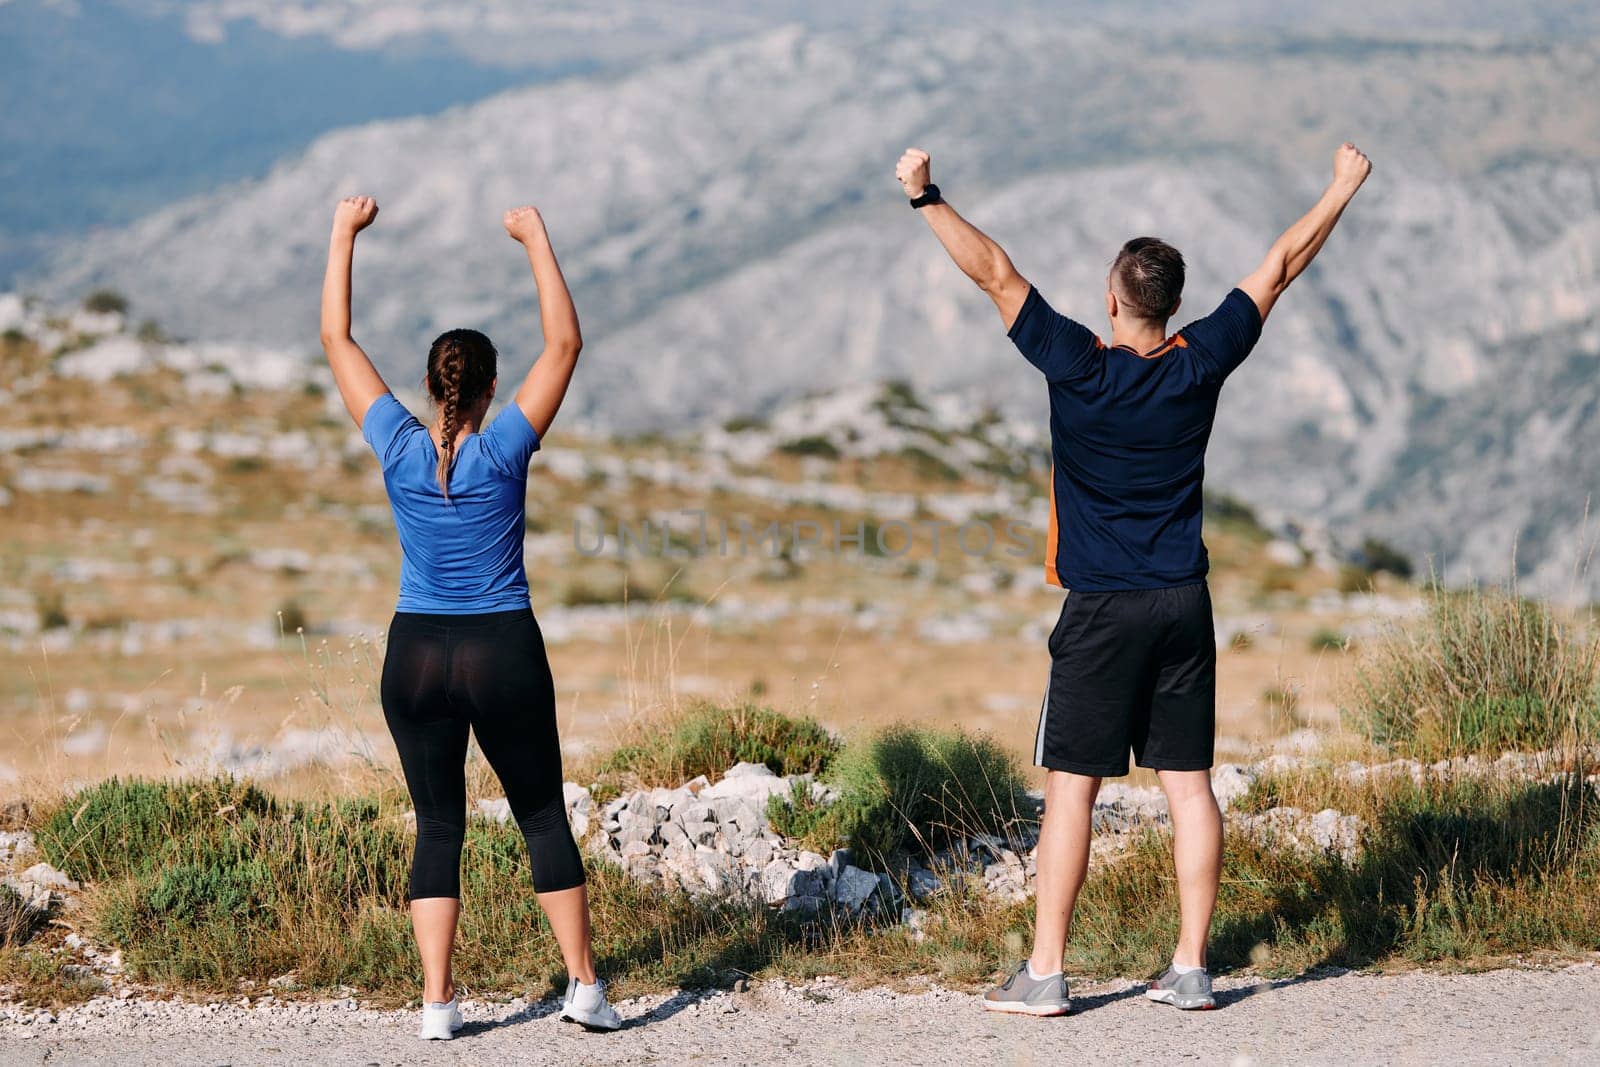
469, 425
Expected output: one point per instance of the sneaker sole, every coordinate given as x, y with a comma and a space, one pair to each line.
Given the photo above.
1182, 1003
592, 1027
1016, 1007
455, 1025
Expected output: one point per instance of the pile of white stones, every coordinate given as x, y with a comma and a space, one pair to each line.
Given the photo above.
714, 839
28, 896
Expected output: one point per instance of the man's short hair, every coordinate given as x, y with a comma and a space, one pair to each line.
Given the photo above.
1148, 276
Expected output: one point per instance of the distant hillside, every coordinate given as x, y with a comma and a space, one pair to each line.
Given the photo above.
734, 237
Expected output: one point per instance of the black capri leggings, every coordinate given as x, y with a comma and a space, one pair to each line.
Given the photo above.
445, 673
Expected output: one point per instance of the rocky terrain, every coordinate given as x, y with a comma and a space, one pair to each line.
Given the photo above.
201, 563
1419, 384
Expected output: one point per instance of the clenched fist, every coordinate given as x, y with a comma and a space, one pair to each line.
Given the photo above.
354, 214
524, 223
912, 171
1350, 166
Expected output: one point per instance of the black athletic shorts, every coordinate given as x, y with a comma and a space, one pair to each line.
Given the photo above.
1133, 669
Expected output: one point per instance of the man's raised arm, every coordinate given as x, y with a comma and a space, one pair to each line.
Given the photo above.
1300, 243
974, 252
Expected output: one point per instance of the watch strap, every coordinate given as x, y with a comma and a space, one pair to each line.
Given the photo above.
930, 195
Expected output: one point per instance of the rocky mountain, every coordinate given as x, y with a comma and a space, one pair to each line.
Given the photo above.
730, 225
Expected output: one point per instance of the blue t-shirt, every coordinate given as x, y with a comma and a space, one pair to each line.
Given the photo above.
462, 555
1128, 434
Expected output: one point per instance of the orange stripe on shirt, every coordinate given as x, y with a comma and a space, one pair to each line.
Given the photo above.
1050, 575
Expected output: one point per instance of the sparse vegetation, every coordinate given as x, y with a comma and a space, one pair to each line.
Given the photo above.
1458, 870
52, 610
1283, 698
1380, 557
1483, 671
291, 618
819, 447
41, 974
709, 738
204, 883
17, 922
106, 301
928, 465
1231, 512
581, 592
1326, 639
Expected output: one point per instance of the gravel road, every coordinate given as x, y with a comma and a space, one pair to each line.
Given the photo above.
1520, 1017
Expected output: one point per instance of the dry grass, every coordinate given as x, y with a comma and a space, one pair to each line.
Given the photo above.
1484, 671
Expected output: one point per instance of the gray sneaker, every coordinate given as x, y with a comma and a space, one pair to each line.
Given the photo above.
1190, 992
1022, 994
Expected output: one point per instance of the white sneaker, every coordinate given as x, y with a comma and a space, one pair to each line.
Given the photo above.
586, 1005
441, 1021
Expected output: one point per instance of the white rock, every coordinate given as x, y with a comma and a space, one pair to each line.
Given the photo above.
853, 886
42, 874
576, 797
16, 842
922, 883
749, 770
782, 881
1229, 782
752, 786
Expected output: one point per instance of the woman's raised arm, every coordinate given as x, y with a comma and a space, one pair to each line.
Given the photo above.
541, 393
358, 380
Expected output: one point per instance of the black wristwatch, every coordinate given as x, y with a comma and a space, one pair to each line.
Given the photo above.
930, 195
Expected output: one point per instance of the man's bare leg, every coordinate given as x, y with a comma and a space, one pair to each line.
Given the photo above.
1063, 861
1197, 857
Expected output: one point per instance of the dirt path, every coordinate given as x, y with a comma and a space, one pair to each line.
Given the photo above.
1522, 1017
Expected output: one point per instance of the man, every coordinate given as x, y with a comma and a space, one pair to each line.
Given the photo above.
1133, 655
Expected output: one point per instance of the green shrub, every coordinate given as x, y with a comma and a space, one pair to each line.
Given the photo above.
910, 788
798, 817
291, 618
118, 828
103, 301
1234, 514
1380, 557
810, 446
1327, 639
1481, 671
928, 465
709, 738
580, 593
52, 610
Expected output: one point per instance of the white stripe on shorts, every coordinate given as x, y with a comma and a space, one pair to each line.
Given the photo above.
1044, 705
1038, 740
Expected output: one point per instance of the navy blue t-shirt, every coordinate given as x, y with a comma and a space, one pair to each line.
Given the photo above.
1128, 434
463, 555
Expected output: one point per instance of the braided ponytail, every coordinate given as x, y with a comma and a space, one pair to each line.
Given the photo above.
461, 369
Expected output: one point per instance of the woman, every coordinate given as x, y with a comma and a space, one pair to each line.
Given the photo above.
464, 649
